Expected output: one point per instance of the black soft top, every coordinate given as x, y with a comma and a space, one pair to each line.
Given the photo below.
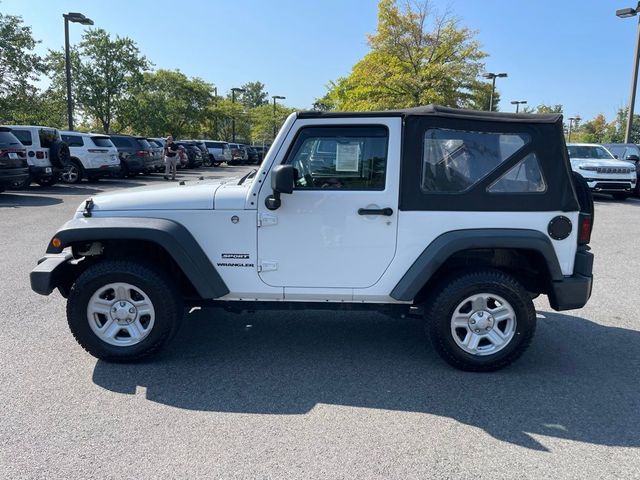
443, 112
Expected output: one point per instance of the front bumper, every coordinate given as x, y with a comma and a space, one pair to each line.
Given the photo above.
10, 177
611, 185
574, 291
50, 272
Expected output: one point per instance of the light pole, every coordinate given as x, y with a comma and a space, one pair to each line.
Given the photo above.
575, 119
492, 77
73, 17
275, 97
233, 119
517, 103
626, 13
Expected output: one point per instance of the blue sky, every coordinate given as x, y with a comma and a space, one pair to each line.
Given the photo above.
577, 53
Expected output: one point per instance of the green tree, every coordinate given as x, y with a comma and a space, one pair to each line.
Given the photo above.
417, 57
20, 67
167, 102
480, 97
263, 121
254, 95
105, 72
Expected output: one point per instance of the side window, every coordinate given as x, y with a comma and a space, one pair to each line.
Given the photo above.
24, 136
340, 158
73, 140
454, 160
524, 177
47, 137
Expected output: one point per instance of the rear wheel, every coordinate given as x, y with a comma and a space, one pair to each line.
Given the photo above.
123, 310
481, 321
73, 172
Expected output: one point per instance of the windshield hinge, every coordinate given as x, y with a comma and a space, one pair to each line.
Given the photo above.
88, 206
267, 219
267, 266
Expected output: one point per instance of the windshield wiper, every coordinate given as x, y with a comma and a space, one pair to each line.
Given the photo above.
248, 175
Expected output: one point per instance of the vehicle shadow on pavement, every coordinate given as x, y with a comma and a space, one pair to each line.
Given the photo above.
578, 381
9, 200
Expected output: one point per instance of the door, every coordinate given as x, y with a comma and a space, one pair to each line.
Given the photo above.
338, 227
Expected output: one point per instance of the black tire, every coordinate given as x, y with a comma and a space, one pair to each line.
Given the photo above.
217, 164
47, 181
59, 154
207, 161
73, 172
162, 291
620, 196
454, 291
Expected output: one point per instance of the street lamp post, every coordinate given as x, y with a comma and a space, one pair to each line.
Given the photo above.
627, 13
275, 97
517, 103
73, 17
233, 118
492, 77
575, 119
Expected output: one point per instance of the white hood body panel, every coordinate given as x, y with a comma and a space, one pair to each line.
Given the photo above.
190, 196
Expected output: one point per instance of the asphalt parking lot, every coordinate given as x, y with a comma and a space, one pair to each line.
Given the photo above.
315, 395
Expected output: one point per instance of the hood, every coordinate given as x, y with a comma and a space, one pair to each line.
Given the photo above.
595, 162
197, 195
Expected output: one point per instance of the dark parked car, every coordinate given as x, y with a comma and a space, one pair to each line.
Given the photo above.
157, 149
629, 152
14, 170
262, 151
252, 155
135, 154
194, 154
206, 159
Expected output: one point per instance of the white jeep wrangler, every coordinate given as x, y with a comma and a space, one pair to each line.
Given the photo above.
461, 217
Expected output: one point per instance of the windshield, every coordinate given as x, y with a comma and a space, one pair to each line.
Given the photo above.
588, 151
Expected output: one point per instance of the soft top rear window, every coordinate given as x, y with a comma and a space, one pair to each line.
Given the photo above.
454, 160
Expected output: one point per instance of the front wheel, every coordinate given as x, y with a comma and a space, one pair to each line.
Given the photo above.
123, 310
481, 321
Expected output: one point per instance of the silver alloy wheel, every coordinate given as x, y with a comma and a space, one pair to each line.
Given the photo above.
120, 314
71, 174
483, 324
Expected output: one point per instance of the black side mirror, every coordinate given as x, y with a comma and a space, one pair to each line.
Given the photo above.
282, 181
633, 158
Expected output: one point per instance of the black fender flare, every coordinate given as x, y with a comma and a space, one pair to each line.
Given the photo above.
450, 243
170, 235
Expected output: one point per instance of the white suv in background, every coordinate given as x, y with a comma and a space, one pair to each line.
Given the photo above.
47, 154
93, 156
219, 151
601, 170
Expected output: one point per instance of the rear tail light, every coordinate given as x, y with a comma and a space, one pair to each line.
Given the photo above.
40, 155
141, 153
584, 232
